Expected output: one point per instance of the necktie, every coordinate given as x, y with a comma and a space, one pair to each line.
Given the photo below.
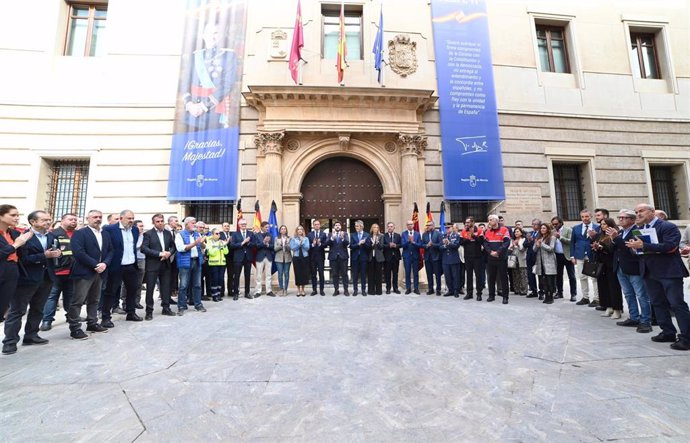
647, 226
586, 229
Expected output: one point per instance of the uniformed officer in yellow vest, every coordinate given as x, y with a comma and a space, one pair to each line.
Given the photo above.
216, 250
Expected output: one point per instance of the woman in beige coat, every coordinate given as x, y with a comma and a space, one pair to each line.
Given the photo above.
545, 267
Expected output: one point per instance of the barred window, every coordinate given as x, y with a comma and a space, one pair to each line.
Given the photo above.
477, 209
664, 190
210, 212
69, 180
568, 184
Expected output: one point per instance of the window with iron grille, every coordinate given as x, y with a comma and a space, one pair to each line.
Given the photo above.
86, 28
460, 210
568, 183
664, 190
69, 181
210, 212
644, 56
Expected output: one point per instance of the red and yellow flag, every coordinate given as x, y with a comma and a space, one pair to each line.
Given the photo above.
415, 221
429, 215
257, 217
342, 46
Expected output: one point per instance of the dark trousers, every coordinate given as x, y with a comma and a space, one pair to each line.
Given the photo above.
562, 262
217, 273
548, 283
433, 269
532, 279
474, 267
85, 291
175, 277
461, 276
666, 295
61, 285
127, 275
245, 265
411, 273
317, 275
375, 274
163, 275
206, 280
359, 274
32, 297
339, 271
9, 274
498, 270
230, 271
141, 271
391, 269
452, 274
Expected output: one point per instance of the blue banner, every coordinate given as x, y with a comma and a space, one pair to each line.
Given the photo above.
204, 155
472, 163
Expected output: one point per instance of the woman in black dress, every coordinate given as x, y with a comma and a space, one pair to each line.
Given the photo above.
610, 295
299, 244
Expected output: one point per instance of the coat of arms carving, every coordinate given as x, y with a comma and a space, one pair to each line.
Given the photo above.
402, 55
279, 48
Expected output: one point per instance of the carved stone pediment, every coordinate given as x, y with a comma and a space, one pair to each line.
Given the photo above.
402, 55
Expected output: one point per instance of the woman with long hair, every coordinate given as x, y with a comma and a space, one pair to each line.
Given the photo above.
10, 241
299, 245
519, 251
610, 295
545, 267
283, 259
376, 261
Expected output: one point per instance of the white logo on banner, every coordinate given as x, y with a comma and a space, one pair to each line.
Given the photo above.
473, 145
473, 180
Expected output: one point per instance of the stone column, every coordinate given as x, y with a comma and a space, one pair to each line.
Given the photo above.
269, 173
411, 147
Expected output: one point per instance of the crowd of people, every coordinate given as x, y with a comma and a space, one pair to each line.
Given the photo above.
106, 268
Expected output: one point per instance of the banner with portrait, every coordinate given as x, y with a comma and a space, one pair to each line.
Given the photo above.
471, 148
204, 155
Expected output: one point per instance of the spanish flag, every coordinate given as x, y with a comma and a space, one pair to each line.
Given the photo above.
257, 217
342, 46
415, 221
429, 215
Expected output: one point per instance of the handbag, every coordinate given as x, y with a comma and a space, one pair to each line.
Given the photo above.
592, 268
512, 262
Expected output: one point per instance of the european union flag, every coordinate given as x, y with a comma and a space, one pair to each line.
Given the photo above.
273, 229
442, 219
378, 47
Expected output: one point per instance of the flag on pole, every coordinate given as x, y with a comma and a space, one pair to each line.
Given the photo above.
342, 46
297, 45
429, 216
378, 48
239, 214
273, 229
442, 218
415, 221
257, 217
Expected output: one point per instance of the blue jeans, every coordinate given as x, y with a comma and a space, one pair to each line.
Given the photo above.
61, 284
283, 274
191, 275
634, 292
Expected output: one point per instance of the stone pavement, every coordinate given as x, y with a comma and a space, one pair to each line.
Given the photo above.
374, 369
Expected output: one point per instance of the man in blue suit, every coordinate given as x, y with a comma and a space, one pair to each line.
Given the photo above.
450, 258
431, 239
663, 272
411, 242
317, 256
35, 280
123, 268
359, 257
337, 257
581, 250
92, 254
242, 257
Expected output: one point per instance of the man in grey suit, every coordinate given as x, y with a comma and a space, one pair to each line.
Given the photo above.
564, 258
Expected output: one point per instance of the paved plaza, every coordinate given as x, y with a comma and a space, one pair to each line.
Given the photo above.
345, 369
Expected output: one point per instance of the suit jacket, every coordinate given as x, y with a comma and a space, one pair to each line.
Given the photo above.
360, 253
87, 255
410, 249
7, 249
663, 260
262, 249
338, 247
624, 257
432, 252
389, 253
227, 237
566, 240
151, 248
317, 252
242, 253
580, 246
33, 266
450, 254
118, 245
376, 251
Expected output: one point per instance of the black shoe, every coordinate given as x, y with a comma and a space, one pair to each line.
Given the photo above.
680, 346
139, 306
654, 322
205, 298
407, 291
364, 294
336, 293
491, 298
347, 293
468, 297
479, 297
95, 327
107, 324
148, 316
532, 295
594, 304
257, 295
416, 291
461, 291
119, 310
200, 308
249, 296
600, 308
644, 328
9, 348
430, 292
628, 322
180, 312
216, 299
34, 341
388, 291
457, 295
79, 334
541, 296
323, 294
396, 291
235, 297
133, 317
582, 302
663, 338
271, 294
558, 296
168, 312
573, 298
354, 293
448, 294
505, 300
313, 292
46, 326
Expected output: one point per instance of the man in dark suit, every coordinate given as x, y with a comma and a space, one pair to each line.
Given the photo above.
411, 242
663, 272
581, 250
35, 280
450, 259
337, 257
431, 239
242, 257
317, 256
158, 245
472, 241
226, 236
391, 252
123, 268
92, 254
359, 257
